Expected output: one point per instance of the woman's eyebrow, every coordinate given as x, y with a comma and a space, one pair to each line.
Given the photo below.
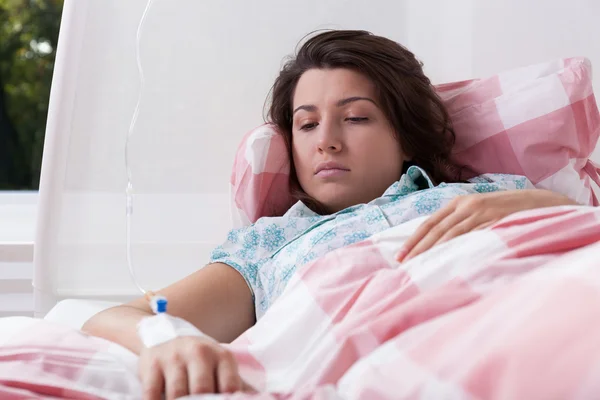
340, 103
306, 107
349, 100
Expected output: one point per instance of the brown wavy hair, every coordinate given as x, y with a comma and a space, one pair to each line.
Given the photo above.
406, 97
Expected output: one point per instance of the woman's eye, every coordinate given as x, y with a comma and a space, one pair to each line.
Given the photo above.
308, 127
356, 120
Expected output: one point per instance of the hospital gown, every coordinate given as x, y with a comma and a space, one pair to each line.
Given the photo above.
268, 252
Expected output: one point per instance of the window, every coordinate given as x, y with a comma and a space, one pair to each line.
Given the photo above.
28, 38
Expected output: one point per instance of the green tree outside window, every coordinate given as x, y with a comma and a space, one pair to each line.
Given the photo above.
28, 38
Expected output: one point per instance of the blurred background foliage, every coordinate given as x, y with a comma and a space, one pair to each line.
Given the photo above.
28, 39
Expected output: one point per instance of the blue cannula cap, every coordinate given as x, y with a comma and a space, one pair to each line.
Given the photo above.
161, 306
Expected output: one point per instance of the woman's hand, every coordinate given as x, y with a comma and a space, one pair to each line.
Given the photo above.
473, 212
189, 365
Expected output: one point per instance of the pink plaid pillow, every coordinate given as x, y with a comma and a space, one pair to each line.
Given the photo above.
260, 177
540, 121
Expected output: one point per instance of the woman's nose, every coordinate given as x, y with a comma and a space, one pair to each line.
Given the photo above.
329, 139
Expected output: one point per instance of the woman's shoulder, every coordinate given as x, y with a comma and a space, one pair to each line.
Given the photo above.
269, 233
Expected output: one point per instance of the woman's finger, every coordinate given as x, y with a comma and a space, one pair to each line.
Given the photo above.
228, 378
467, 225
424, 229
201, 374
429, 240
176, 379
152, 380
485, 225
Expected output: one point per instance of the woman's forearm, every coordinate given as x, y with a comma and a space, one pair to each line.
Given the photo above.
119, 325
215, 299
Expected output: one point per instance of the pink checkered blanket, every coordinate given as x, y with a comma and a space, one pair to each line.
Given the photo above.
511, 312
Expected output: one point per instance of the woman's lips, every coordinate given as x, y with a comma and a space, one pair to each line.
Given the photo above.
332, 172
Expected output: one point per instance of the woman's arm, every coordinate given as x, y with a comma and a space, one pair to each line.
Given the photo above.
216, 299
473, 212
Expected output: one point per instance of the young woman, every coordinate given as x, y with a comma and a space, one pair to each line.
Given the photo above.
370, 143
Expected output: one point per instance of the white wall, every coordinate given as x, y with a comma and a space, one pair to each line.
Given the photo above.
512, 33
440, 33
462, 39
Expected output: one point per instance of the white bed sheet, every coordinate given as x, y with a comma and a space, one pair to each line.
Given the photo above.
74, 312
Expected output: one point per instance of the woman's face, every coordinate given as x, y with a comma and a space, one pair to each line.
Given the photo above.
344, 149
